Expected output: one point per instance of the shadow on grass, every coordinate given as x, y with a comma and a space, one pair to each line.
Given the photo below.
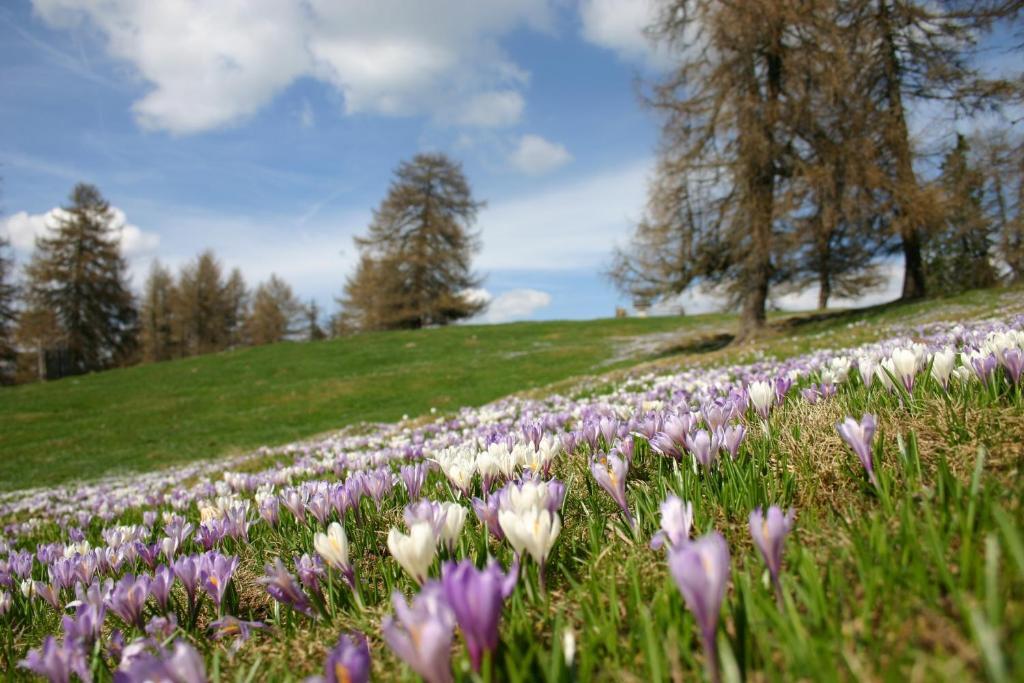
702, 344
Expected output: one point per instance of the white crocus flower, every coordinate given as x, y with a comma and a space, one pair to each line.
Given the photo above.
413, 551
867, 367
762, 396
883, 376
905, 363
488, 465
333, 547
942, 365
454, 520
533, 531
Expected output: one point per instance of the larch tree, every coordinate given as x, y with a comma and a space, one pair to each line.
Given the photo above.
156, 330
419, 246
724, 107
77, 273
1001, 161
959, 251
201, 307
922, 52
8, 312
236, 307
276, 314
842, 211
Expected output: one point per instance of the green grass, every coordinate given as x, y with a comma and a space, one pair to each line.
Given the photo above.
145, 417
151, 416
919, 579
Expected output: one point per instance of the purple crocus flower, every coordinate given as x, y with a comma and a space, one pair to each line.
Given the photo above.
811, 394
57, 661
476, 598
626, 448
86, 627
211, 532
215, 571
676, 521
677, 427
984, 366
715, 415
859, 435
701, 571
347, 662
295, 501
270, 510
149, 554
162, 627
1013, 361
413, 477
704, 447
731, 437
311, 571
429, 511
320, 507
422, 634
181, 665
236, 523
782, 387
128, 598
610, 471
186, 570
569, 442
50, 594
664, 444
160, 586
769, 533
487, 512
283, 587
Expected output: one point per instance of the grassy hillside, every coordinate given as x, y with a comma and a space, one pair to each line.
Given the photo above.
154, 415
150, 416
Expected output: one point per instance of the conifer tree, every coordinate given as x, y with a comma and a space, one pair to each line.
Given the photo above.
236, 307
276, 314
201, 308
8, 312
156, 335
313, 330
959, 252
724, 107
414, 264
923, 52
78, 274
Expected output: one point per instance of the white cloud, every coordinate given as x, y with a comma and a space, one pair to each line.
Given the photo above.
515, 304
568, 227
619, 25
23, 228
212, 64
698, 300
495, 109
534, 155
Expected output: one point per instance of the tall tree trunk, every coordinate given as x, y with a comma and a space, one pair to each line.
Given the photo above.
899, 144
759, 270
824, 289
760, 161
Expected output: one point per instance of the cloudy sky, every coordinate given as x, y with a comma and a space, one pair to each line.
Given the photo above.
268, 130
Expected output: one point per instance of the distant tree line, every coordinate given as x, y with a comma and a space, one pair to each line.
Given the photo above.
74, 312
786, 157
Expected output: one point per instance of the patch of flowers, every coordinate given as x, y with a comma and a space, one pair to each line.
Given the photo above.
146, 577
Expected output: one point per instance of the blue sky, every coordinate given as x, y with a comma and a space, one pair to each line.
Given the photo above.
268, 130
